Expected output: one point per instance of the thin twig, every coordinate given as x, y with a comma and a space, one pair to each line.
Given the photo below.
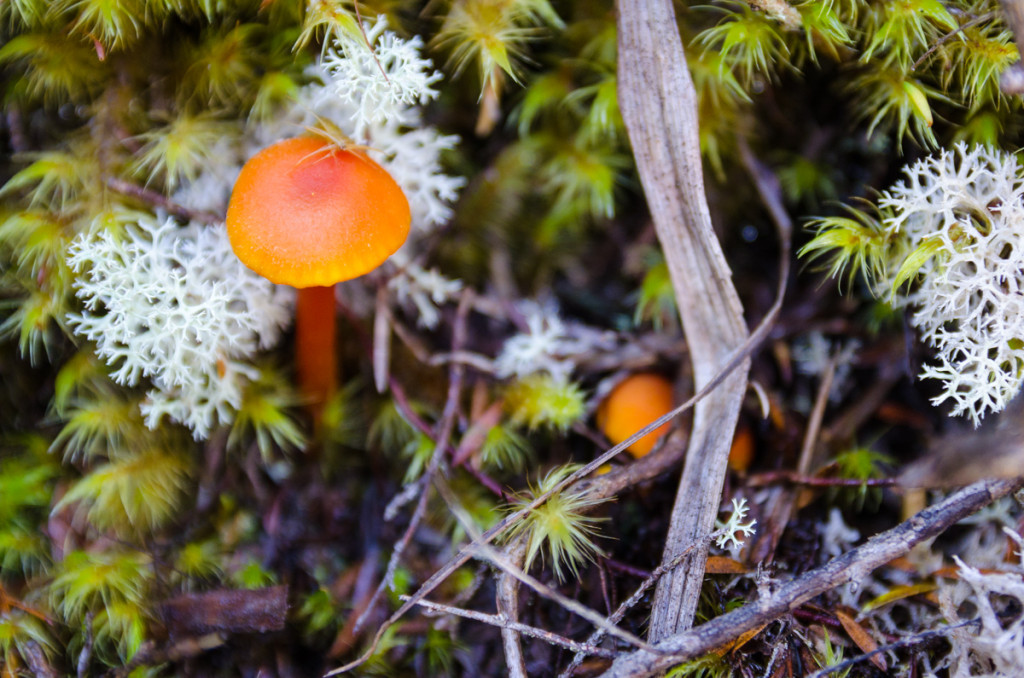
773, 477
518, 627
381, 358
362, 31
817, 415
782, 501
853, 565
410, 340
478, 361
7, 602
843, 426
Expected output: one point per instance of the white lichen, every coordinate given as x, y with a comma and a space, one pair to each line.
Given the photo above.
422, 291
382, 78
836, 536
174, 305
733, 531
959, 219
549, 343
541, 348
993, 645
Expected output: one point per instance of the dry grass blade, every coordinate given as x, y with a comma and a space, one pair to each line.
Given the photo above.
658, 104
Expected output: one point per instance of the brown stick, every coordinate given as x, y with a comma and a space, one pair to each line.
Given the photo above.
852, 565
659, 107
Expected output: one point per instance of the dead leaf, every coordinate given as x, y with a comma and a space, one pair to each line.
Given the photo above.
724, 565
739, 642
860, 636
897, 593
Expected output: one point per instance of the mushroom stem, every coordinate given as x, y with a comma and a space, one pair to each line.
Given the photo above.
315, 355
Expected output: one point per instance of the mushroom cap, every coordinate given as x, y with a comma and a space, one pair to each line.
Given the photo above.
635, 402
307, 213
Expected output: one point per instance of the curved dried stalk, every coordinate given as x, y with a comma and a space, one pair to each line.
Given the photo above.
659, 107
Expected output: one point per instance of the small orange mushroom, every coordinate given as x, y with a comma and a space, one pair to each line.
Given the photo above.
308, 213
741, 452
635, 402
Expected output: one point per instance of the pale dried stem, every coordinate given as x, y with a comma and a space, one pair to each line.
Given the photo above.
525, 629
659, 108
507, 601
771, 194
782, 500
381, 358
810, 441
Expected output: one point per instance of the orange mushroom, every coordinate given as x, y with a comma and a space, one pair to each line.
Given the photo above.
741, 452
308, 213
635, 402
